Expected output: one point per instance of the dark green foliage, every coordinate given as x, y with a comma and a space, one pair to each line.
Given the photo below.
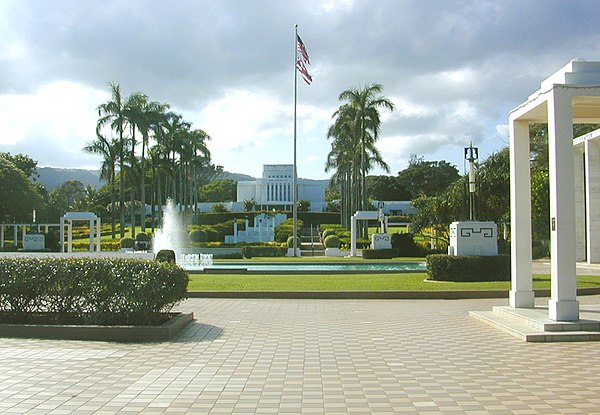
405, 245
198, 235
264, 251
220, 190
290, 242
165, 255
386, 188
99, 291
332, 241
327, 232
317, 218
286, 229
379, 253
127, 242
468, 268
143, 237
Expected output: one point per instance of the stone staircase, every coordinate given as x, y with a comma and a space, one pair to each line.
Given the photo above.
310, 245
533, 324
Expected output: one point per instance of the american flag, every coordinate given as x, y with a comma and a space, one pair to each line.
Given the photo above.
302, 50
303, 71
302, 61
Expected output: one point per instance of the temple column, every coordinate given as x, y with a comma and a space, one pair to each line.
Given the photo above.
580, 205
521, 294
563, 305
592, 200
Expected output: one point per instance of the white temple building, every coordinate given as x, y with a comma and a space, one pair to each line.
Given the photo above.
274, 189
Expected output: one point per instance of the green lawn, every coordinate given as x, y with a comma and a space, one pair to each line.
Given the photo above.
352, 282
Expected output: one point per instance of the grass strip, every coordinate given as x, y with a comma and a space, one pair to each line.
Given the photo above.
354, 282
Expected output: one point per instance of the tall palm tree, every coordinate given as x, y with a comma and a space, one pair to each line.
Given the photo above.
142, 115
113, 114
108, 150
355, 132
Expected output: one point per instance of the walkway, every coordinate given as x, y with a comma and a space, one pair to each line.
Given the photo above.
309, 356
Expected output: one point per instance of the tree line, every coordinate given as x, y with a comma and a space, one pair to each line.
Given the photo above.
150, 152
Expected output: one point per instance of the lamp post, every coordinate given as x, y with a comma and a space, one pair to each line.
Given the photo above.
471, 155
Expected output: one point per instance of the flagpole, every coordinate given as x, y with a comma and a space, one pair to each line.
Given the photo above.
295, 174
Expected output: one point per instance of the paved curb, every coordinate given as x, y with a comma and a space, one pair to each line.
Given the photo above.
374, 295
163, 332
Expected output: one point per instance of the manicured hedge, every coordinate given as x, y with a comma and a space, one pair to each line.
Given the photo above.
264, 251
102, 291
468, 268
379, 253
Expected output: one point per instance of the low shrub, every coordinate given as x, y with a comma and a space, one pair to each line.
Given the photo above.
405, 245
326, 233
198, 235
263, 251
142, 237
379, 253
165, 255
127, 242
103, 291
332, 241
468, 268
290, 242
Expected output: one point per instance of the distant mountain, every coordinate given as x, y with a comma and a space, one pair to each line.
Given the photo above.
52, 177
238, 177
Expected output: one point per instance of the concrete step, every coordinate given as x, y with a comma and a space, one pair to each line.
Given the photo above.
533, 325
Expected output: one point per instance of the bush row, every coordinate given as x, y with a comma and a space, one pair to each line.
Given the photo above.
89, 290
264, 251
468, 268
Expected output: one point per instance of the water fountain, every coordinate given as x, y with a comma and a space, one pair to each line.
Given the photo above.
172, 235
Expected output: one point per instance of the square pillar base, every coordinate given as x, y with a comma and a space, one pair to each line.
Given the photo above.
563, 310
521, 299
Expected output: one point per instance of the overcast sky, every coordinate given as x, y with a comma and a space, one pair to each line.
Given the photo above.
453, 69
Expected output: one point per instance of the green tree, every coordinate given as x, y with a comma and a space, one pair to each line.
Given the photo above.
18, 195
108, 150
24, 163
427, 177
113, 114
220, 190
386, 188
355, 131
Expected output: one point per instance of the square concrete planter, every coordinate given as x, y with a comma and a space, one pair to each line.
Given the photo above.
164, 332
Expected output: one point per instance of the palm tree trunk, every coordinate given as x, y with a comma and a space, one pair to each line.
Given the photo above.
143, 189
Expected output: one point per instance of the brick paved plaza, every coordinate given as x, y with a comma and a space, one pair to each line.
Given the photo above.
309, 356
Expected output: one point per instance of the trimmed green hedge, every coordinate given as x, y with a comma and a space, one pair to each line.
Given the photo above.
468, 268
263, 251
101, 291
379, 253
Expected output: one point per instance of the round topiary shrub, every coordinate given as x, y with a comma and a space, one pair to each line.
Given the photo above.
326, 233
290, 242
332, 241
165, 255
198, 235
127, 242
142, 237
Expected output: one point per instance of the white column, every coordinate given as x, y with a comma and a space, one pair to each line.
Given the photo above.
70, 236
1, 236
15, 235
92, 234
521, 294
563, 304
99, 234
580, 208
62, 234
592, 200
353, 236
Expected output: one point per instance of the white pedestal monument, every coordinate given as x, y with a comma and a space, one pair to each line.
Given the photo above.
473, 238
